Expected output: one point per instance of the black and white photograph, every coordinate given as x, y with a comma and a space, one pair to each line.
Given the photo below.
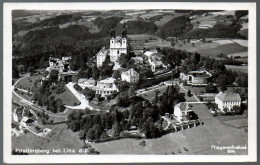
141, 82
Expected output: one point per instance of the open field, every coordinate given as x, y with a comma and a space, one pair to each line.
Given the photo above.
241, 42
218, 46
168, 17
150, 40
198, 140
67, 97
237, 122
28, 82
200, 21
243, 68
226, 49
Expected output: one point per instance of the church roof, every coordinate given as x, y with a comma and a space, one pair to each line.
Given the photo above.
228, 96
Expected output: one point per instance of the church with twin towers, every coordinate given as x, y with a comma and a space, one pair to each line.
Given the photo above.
118, 46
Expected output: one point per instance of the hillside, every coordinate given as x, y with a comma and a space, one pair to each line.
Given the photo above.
58, 33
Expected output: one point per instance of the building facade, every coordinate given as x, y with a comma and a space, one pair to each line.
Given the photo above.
118, 45
227, 100
196, 78
106, 87
183, 112
101, 56
130, 76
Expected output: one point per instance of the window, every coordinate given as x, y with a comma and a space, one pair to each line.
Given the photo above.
118, 52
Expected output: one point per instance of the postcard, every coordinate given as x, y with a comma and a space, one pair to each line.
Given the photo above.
127, 82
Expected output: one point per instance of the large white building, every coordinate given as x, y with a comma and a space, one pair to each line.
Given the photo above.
106, 87
101, 56
130, 76
83, 83
118, 45
227, 100
183, 112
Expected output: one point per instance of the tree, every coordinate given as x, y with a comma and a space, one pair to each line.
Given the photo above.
42, 62
237, 110
82, 135
30, 69
54, 75
74, 126
95, 73
148, 73
189, 93
123, 99
242, 80
116, 129
89, 93
60, 106
116, 74
156, 98
210, 88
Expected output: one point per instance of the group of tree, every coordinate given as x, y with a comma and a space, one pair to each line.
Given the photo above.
217, 31
93, 126
141, 27
55, 105
176, 27
141, 113
42, 94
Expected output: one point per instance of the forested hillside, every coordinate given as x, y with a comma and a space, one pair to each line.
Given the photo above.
37, 34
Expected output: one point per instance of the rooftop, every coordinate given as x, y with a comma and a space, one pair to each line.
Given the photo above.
129, 72
183, 106
108, 80
228, 96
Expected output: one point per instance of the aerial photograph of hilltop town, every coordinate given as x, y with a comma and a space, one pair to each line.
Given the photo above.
137, 82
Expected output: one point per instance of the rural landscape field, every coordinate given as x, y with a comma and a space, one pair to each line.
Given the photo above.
138, 82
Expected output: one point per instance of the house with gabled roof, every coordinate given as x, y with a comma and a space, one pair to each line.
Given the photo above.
227, 100
183, 112
130, 76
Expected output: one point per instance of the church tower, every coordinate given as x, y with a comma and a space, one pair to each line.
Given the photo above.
118, 45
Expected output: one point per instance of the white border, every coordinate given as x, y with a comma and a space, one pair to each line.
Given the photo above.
7, 63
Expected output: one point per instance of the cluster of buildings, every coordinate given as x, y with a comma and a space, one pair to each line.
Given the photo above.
103, 87
107, 86
118, 46
155, 60
196, 78
27, 120
61, 65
